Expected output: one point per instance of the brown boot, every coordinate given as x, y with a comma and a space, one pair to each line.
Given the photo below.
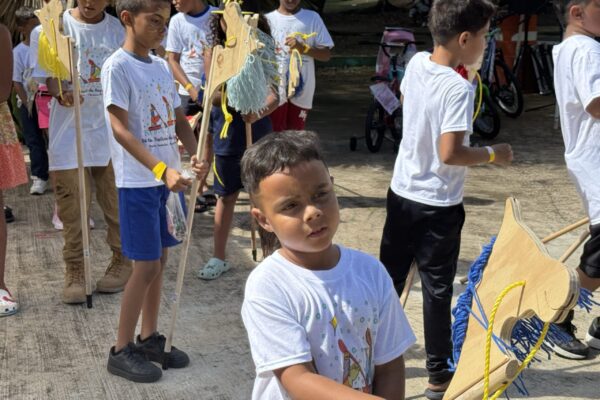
74, 290
116, 274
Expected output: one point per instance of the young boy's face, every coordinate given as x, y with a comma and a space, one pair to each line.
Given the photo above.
148, 27
28, 26
184, 6
91, 10
587, 16
299, 205
473, 45
289, 5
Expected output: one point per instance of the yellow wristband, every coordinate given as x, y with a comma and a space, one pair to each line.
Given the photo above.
189, 86
492, 154
159, 170
306, 48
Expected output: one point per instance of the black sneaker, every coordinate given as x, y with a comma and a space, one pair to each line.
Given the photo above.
592, 337
572, 349
132, 364
154, 348
8, 215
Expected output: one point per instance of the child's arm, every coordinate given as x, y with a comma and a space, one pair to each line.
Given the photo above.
180, 75
271, 105
119, 123
318, 53
453, 152
187, 137
302, 382
389, 380
20, 90
66, 98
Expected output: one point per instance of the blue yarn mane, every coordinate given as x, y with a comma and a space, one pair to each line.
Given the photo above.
525, 332
248, 90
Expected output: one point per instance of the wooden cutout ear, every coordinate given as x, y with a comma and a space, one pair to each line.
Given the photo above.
262, 220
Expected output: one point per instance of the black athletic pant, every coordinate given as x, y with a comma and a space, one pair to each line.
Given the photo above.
431, 236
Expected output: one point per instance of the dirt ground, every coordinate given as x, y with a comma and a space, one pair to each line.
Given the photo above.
53, 351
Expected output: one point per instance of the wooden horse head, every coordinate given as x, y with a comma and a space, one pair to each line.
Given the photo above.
228, 60
550, 291
60, 46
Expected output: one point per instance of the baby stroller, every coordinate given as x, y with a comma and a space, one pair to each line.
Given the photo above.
396, 48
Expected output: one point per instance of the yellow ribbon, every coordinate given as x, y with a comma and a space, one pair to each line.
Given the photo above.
226, 114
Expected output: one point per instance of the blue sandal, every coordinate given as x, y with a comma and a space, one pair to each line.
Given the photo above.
213, 269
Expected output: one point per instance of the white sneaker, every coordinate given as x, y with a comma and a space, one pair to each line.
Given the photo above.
56, 222
92, 223
38, 186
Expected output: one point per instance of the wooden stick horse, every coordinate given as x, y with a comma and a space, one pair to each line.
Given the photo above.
520, 281
227, 62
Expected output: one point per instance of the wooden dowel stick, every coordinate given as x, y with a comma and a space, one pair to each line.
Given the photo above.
565, 230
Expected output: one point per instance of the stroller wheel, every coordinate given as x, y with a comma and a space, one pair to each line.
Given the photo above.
353, 143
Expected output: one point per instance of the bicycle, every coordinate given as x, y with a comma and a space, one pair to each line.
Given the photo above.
396, 48
504, 87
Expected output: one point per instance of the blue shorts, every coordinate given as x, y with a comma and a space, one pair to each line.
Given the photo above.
143, 221
228, 175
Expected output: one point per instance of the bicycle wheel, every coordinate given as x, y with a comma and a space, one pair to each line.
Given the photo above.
487, 124
506, 91
375, 126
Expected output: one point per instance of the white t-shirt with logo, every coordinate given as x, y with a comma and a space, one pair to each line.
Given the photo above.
94, 44
146, 90
437, 100
577, 84
22, 71
346, 320
188, 37
304, 21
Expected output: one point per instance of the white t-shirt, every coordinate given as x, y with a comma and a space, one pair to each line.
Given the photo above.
345, 320
147, 91
94, 43
304, 21
437, 100
188, 37
22, 71
577, 83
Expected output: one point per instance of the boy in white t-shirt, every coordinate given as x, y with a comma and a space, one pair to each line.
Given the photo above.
425, 213
297, 32
26, 88
143, 110
97, 35
186, 43
577, 85
323, 321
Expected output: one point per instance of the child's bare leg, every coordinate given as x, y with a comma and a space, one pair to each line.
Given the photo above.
151, 304
223, 220
143, 275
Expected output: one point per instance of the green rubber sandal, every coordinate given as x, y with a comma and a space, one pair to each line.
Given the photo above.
213, 269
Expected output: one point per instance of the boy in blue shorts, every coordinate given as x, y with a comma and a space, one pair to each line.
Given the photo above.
143, 110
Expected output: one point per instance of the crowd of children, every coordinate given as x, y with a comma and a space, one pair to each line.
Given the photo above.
323, 321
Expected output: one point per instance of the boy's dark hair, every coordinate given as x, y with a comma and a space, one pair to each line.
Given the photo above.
23, 15
136, 6
272, 154
449, 18
562, 8
276, 152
